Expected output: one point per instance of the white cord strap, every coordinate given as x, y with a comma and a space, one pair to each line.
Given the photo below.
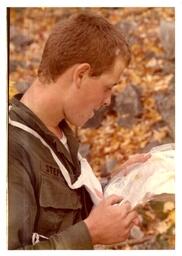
86, 178
36, 238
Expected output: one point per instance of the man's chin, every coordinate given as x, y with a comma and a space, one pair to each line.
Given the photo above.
78, 124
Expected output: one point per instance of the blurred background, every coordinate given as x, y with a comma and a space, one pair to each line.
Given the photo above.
142, 112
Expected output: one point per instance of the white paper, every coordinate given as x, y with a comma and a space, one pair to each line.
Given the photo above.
146, 180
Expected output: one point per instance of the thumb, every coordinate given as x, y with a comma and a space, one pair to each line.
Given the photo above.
113, 199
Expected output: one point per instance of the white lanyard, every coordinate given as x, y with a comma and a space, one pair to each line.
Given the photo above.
86, 178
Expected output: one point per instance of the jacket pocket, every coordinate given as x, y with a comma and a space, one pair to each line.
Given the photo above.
58, 206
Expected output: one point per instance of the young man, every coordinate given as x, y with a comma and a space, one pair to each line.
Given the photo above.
51, 188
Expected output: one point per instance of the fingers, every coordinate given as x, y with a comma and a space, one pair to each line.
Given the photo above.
125, 208
132, 218
136, 221
134, 155
139, 157
113, 199
134, 159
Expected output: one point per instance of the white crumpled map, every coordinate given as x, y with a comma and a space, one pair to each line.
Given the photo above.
146, 181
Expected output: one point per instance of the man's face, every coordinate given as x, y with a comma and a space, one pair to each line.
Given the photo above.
94, 93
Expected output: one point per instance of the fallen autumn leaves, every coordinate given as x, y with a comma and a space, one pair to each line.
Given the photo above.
151, 71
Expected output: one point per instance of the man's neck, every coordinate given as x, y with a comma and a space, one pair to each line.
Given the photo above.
37, 99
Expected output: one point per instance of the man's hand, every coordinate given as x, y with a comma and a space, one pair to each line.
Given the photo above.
125, 168
110, 223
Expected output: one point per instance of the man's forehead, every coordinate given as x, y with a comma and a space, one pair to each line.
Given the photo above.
114, 75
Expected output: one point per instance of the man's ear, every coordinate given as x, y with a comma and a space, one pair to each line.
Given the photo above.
81, 72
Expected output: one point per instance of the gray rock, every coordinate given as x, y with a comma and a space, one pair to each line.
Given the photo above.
172, 85
136, 232
128, 106
96, 120
13, 32
128, 101
22, 86
128, 27
108, 167
84, 149
165, 101
18, 39
126, 121
14, 64
167, 36
21, 41
169, 67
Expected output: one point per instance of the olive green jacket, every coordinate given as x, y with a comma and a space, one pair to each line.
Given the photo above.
39, 200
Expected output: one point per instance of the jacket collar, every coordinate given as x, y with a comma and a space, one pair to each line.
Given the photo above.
23, 114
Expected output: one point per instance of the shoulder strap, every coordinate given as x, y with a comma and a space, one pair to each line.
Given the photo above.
86, 178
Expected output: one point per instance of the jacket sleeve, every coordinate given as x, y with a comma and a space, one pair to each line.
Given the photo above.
22, 210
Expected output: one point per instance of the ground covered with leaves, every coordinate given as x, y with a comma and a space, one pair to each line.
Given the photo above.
142, 111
